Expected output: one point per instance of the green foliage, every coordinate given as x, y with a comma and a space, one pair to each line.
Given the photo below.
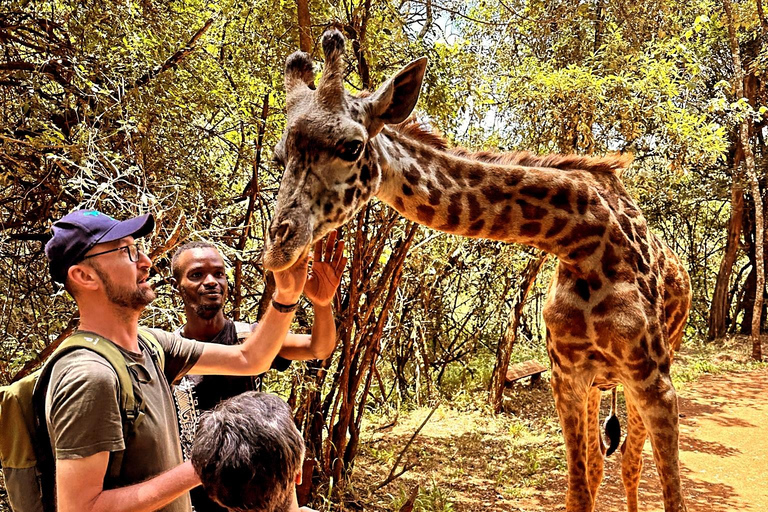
110, 127
433, 498
95, 111
542, 76
728, 355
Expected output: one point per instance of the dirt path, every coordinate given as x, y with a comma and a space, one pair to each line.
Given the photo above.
723, 452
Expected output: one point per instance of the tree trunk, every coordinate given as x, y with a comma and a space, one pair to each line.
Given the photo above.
718, 312
504, 350
599, 25
370, 295
357, 30
749, 165
761, 15
305, 26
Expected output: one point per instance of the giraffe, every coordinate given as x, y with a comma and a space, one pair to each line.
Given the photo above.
619, 299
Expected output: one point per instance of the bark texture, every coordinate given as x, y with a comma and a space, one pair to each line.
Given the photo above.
751, 178
718, 312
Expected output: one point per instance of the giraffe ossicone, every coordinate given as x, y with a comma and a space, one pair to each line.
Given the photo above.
618, 302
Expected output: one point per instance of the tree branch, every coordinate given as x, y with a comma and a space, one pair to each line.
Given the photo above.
173, 59
392, 475
47, 351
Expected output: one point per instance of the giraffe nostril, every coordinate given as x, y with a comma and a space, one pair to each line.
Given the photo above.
283, 232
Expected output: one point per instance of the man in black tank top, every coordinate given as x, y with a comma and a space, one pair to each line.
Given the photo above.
199, 276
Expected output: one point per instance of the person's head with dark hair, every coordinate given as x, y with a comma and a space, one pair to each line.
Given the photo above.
248, 453
199, 275
176, 269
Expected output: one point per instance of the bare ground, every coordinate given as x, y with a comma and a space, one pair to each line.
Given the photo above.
723, 452
466, 460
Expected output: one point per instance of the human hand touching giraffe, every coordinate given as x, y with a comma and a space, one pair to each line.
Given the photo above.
327, 268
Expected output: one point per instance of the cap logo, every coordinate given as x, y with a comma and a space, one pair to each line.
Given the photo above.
94, 213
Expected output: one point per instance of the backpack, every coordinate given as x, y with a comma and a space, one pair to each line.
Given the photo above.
25, 449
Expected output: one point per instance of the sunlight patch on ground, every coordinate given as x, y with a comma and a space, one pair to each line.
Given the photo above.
465, 458
477, 460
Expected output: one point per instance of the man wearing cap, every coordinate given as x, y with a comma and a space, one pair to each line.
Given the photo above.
101, 266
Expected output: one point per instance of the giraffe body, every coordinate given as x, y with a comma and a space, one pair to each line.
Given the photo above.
619, 299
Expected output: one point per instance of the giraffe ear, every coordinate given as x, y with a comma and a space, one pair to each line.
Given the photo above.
394, 101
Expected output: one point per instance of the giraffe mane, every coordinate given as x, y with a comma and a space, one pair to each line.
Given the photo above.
611, 164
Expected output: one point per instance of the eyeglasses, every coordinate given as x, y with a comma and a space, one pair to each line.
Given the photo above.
132, 250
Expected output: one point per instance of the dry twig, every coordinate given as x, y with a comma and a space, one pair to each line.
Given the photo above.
392, 475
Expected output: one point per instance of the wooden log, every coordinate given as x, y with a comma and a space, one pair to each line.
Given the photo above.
530, 368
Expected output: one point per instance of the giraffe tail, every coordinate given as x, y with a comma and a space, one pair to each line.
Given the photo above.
611, 428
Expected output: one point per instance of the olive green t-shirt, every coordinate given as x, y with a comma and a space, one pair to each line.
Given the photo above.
83, 411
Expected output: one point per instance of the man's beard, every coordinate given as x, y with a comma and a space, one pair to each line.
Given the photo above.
207, 312
203, 311
136, 299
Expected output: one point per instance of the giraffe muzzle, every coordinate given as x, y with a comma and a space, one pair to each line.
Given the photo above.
288, 240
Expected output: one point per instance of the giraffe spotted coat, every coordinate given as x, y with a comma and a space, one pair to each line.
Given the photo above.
617, 305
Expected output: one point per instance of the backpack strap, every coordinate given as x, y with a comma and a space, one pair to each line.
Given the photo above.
131, 400
105, 349
243, 330
130, 424
155, 348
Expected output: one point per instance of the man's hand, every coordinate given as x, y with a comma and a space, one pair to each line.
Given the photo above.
290, 282
327, 268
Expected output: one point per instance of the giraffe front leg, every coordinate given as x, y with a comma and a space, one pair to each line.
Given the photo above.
632, 455
657, 406
594, 443
571, 404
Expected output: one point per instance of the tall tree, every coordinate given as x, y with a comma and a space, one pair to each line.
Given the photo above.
507, 343
745, 131
305, 26
718, 313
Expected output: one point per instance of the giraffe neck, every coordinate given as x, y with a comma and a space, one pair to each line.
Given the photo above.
561, 212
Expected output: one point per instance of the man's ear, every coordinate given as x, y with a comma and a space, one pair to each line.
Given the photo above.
175, 285
299, 477
394, 101
83, 277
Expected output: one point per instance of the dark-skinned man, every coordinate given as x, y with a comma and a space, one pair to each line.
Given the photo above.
199, 276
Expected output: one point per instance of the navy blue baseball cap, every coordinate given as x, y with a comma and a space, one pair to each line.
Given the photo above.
77, 232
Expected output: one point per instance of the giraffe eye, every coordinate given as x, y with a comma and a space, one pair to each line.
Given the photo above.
350, 150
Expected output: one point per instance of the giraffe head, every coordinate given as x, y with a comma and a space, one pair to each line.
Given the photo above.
331, 167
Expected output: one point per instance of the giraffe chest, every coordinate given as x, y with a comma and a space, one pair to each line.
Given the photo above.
608, 335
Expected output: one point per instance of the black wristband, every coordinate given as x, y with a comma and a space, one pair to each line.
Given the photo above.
284, 308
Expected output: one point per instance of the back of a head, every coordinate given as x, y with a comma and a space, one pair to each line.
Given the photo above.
247, 452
